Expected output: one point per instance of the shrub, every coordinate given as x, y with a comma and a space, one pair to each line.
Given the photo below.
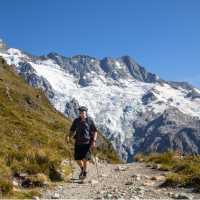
185, 170
5, 186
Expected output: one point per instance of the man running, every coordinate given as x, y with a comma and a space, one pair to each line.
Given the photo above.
85, 138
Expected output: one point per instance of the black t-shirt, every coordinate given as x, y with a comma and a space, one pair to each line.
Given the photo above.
84, 130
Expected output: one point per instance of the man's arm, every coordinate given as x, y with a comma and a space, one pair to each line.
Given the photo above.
94, 138
71, 131
93, 134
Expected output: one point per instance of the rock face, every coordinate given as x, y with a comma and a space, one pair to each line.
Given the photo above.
133, 108
170, 130
81, 65
71, 108
193, 94
138, 72
148, 98
31, 77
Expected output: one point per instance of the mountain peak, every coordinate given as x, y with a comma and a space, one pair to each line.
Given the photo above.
82, 56
119, 93
116, 68
53, 54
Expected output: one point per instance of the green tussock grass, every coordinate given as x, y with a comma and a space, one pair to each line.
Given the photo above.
184, 171
32, 132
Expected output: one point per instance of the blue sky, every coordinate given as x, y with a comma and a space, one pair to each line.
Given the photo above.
161, 35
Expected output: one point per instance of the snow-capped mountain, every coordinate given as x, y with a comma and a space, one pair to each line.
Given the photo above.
133, 108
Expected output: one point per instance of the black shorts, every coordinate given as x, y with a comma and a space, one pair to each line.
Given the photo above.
82, 151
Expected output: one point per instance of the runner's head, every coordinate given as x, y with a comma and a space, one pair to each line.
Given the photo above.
83, 111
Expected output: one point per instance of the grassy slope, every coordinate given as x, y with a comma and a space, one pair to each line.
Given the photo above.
32, 131
184, 171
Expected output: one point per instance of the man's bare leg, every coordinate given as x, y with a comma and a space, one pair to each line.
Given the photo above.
80, 163
85, 163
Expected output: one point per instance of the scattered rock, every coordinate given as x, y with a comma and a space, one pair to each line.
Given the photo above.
55, 196
135, 198
154, 166
139, 188
46, 183
108, 196
23, 174
65, 162
35, 198
15, 183
60, 187
101, 192
136, 177
157, 178
179, 195
158, 166
121, 168
148, 165
129, 183
148, 183
26, 183
103, 175
146, 177
55, 175
93, 182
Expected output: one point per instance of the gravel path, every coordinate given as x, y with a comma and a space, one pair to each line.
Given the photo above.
124, 181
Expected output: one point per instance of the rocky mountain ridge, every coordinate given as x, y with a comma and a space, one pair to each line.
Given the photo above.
120, 95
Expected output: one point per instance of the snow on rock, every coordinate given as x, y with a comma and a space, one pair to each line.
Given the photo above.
113, 92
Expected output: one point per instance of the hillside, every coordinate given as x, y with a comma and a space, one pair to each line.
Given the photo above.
32, 132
